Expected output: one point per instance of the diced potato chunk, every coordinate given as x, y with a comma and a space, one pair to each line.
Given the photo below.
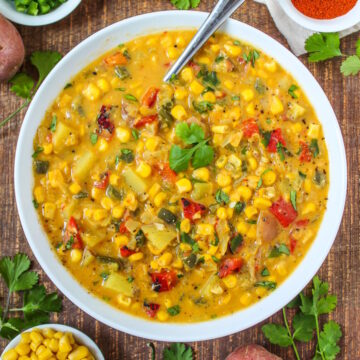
119, 283
82, 166
159, 238
134, 181
60, 136
295, 111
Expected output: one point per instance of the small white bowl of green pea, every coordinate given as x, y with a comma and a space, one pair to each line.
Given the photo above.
37, 12
80, 338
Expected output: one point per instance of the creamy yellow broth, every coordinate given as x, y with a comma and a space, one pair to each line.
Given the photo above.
226, 227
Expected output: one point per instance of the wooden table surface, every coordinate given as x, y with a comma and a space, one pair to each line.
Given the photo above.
341, 268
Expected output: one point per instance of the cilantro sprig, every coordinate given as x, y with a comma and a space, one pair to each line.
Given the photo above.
178, 351
323, 46
24, 86
185, 4
200, 154
306, 322
37, 304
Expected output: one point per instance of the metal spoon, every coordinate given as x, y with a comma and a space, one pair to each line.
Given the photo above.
220, 13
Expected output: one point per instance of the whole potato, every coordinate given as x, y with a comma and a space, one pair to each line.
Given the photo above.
251, 352
12, 51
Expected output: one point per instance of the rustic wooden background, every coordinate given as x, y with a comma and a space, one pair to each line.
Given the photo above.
341, 268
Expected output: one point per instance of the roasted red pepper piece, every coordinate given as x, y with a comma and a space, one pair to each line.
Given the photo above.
163, 280
284, 212
229, 266
126, 252
166, 172
305, 155
116, 59
72, 234
302, 223
150, 96
293, 243
249, 128
275, 138
151, 309
104, 181
122, 228
145, 120
190, 208
103, 120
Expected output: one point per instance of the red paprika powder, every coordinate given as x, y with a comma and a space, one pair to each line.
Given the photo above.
324, 9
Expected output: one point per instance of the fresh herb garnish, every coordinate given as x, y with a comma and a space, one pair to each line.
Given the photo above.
174, 310
127, 156
185, 4
93, 138
270, 285
302, 175
265, 272
178, 351
251, 57
135, 133
259, 184
235, 243
130, 97
239, 207
122, 73
53, 123
291, 91
235, 98
200, 154
279, 250
24, 86
38, 150
203, 107
314, 147
35, 203
222, 197
219, 58
130, 279
215, 259
293, 199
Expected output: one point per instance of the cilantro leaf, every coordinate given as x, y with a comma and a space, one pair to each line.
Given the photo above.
270, 285
304, 326
53, 123
203, 156
358, 48
291, 91
293, 199
314, 147
22, 84
15, 273
178, 351
235, 243
277, 334
203, 107
189, 134
278, 250
44, 61
179, 158
328, 340
174, 310
323, 46
222, 197
185, 4
350, 66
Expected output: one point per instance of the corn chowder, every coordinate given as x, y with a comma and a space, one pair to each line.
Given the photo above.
182, 201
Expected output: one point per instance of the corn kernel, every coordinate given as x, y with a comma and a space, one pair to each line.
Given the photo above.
217, 289
221, 213
91, 92
226, 299
100, 214
102, 145
233, 50
152, 143
76, 255
269, 178
177, 264
205, 229
185, 225
75, 188
165, 259
276, 106
242, 227
180, 94
159, 199
234, 161
221, 161
155, 188
260, 291
172, 53
270, 66
308, 208
307, 185
167, 303
180, 41
45, 355
229, 84
209, 96
96, 193
230, 281
167, 41
203, 60
187, 74
314, 131
144, 170
250, 211
235, 113
117, 212
103, 85
49, 210
252, 163
223, 179
130, 201
54, 345
244, 192
184, 185
121, 240
154, 265
55, 178
251, 234
162, 315
39, 194
25, 338
196, 87
79, 353
36, 337
220, 129
262, 203
48, 148
296, 128
245, 299
22, 349
139, 147
247, 94
136, 257
250, 109
10, 355
123, 134
185, 247
114, 179
215, 48
281, 269
202, 174
123, 300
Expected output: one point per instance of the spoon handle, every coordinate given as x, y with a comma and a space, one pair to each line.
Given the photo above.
222, 10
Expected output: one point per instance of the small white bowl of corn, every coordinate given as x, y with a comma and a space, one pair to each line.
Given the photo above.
52, 341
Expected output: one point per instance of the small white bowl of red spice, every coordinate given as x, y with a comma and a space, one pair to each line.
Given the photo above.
323, 15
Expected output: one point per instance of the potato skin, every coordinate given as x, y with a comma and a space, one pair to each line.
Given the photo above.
251, 352
12, 51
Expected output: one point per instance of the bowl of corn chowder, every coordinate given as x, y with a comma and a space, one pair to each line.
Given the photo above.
208, 202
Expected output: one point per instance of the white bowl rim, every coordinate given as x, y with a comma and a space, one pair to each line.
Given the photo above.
8, 10
339, 23
81, 337
156, 22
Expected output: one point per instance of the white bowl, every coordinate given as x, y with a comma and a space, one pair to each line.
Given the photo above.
337, 24
7, 8
79, 336
89, 50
